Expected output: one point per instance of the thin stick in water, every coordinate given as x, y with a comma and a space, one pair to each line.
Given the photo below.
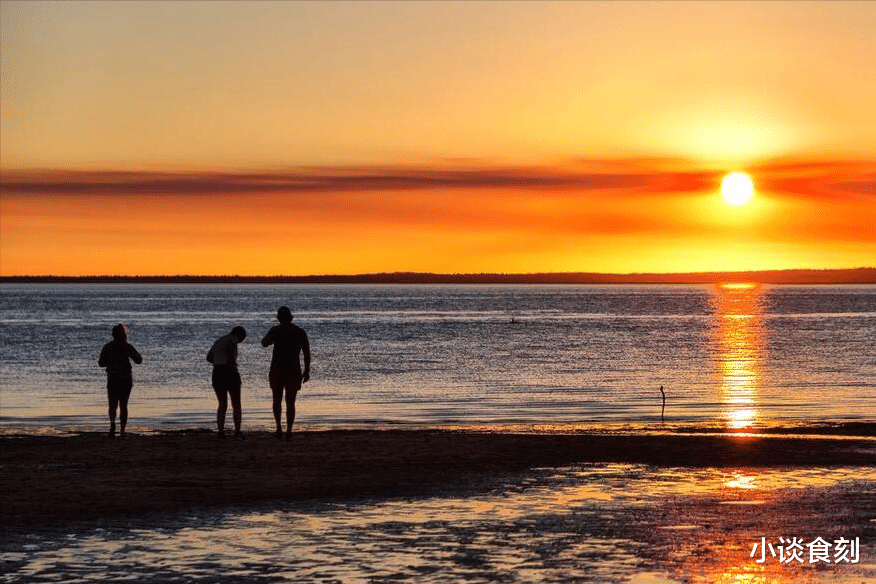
663, 409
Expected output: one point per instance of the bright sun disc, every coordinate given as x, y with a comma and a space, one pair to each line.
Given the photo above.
737, 188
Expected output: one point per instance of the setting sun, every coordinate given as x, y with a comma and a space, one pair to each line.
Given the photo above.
737, 188
481, 137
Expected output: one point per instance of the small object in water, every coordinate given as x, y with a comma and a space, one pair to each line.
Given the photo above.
663, 409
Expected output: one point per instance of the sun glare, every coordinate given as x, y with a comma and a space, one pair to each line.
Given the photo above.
737, 188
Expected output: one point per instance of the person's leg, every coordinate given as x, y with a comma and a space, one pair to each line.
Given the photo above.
113, 404
234, 392
220, 412
236, 409
123, 409
293, 384
219, 386
276, 383
290, 409
123, 415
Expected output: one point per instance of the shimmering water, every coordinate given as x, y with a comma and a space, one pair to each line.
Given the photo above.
597, 523
737, 356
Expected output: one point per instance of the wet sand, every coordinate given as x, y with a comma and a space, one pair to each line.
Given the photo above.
47, 478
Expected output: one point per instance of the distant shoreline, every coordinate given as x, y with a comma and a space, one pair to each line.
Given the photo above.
849, 276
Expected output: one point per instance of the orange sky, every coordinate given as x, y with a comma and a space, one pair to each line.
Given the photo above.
329, 137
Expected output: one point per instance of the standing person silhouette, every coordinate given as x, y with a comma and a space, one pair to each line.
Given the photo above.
116, 356
226, 378
289, 341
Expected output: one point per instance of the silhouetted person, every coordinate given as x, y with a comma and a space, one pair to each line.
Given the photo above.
289, 342
116, 356
226, 378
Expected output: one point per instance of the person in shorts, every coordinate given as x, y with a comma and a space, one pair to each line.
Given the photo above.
289, 342
226, 378
116, 356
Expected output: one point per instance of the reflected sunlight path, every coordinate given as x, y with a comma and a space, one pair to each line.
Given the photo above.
739, 344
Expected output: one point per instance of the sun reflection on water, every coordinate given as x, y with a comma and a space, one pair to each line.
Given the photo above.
739, 345
593, 523
741, 480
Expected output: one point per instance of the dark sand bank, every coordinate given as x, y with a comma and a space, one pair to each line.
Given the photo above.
87, 476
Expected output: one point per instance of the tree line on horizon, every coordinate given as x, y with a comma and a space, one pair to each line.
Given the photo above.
845, 276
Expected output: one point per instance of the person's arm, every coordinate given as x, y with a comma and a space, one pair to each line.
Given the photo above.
210, 353
305, 347
268, 339
102, 361
135, 356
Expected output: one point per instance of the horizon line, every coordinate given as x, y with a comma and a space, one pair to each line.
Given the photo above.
859, 275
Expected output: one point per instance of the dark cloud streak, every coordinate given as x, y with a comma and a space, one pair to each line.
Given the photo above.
824, 180
351, 180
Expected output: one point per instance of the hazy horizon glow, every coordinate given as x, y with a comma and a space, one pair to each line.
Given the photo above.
297, 138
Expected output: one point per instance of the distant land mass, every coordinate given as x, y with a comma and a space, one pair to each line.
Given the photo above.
850, 276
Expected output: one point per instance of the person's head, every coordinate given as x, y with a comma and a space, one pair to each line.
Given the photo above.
120, 333
284, 315
239, 333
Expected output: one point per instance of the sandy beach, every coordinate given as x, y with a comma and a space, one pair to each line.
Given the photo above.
89, 475
434, 506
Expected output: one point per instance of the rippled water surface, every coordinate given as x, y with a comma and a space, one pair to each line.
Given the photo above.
597, 523
734, 355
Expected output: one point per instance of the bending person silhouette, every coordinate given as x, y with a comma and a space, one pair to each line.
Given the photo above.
289, 342
226, 378
116, 356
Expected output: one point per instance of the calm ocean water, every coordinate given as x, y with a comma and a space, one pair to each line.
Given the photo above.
442, 355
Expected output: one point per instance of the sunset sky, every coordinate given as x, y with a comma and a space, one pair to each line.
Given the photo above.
263, 138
